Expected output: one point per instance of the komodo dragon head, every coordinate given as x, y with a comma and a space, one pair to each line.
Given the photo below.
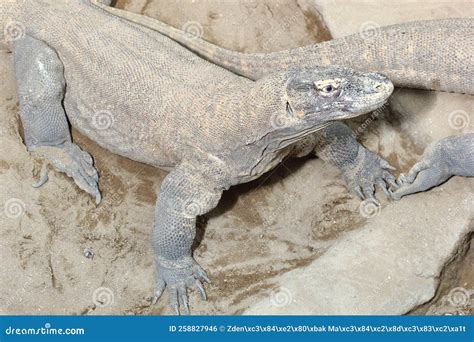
287, 106
300, 101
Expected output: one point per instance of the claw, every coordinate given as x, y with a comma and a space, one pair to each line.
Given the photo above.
201, 274
402, 179
185, 304
43, 177
198, 286
386, 165
160, 287
368, 192
383, 186
388, 177
98, 198
175, 309
358, 192
183, 298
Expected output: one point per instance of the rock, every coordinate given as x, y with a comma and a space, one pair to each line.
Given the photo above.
348, 17
388, 267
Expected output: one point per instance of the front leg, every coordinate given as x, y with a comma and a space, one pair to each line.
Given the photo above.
451, 156
186, 192
362, 170
41, 85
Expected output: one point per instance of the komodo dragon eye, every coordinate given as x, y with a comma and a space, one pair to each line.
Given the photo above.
328, 87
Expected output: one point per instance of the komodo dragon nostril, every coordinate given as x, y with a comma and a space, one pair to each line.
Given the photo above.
380, 87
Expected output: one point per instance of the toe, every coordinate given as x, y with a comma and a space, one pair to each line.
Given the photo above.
160, 287
173, 291
43, 177
201, 274
357, 190
183, 298
196, 285
383, 186
386, 165
390, 179
84, 184
368, 191
200, 288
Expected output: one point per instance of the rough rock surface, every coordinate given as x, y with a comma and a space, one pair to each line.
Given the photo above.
292, 242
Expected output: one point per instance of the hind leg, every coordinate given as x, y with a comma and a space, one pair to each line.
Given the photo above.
41, 85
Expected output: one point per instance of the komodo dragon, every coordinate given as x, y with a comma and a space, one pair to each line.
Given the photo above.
75, 62
431, 54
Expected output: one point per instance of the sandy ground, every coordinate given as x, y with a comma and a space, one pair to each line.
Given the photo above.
281, 223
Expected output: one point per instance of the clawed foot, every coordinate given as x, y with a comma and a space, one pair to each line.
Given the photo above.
178, 278
441, 160
71, 160
368, 171
422, 176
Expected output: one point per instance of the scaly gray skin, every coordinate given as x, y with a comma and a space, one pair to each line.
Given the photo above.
76, 63
336, 144
429, 54
451, 156
435, 55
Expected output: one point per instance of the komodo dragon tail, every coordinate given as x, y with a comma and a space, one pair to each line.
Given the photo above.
432, 54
